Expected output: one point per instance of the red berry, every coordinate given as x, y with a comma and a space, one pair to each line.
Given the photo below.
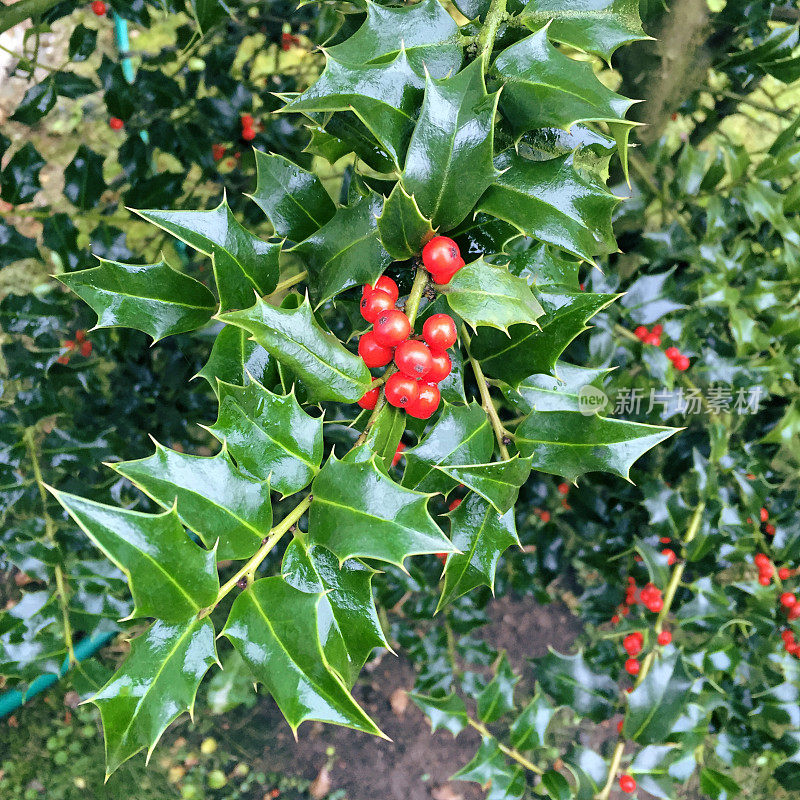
624, 611
750, 476
247, 121
761, 560
627, 784
784, 573
442, 557
670, 556
248, 134
80, 335
401, 390
69, 344
455, 504
653, 338
615, 619
115, 123
391, 328
657, 330
398, 454
99, 7
426, 403
656, 605
788, 600
372, 353
413, 358
681, 363
218, 152
640, 332
664, 638
672, 353
620, 725
439, 254
794, 611
63, 359
369, 400
764, 580
386, 284
86, 349
632, 644
439, 331
373, 303
563, 488
763, 515
446, 275
632, 666
544, 516
441, 367
787, 635
769, 529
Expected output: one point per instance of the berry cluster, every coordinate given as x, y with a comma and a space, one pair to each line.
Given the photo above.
442, 258
248, 131
99, 8
653, 337
633, 643
650, 597
79, 343
287, 38
763, 516
421, 365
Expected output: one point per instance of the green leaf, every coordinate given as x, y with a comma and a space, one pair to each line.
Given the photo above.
235, 358
384, 97
498, 482
461, 435
543, 88
243, 263
657, 565
426, 31
83, 178
231, 687
655, 705
293, 198
347, 600
213, 499
497, 698
528, 350
589, 770
384, 435
448, 713
14, 246
275, 628
37, 102
556, 785
482, 535
208, 13
294, 337
598, 27
572, 682
358, 511
401, 226
82, 42
156, 683
449, 160
548, 393
529, 729
19, 180
269, 435
571, 444
346, 251
153, 298
489, 295
552, 202
489, 767
540, 266
171, 578
717, 785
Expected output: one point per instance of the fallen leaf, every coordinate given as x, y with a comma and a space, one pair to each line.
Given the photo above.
321, 785
399, 701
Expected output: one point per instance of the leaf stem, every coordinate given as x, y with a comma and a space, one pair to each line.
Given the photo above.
509, 751
494, 17
289, 282
50, 528
613, 769
486, 398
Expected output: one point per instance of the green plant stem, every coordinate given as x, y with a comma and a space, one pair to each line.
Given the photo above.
50, 532
613, 769
22, 10
289, 282
486, 398
509, 751
494, 17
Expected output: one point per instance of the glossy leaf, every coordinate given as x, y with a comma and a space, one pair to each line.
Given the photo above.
19, 180
275, 628
449, 161
171, 578
556, 785
234, 358
153, 298
296, 340
571, 444
402, 228
213, 499
358, 511
490, 768
482, 535
498, 482
446, 713
156, 683
530, 728
269, 435
293, 198
548, 393
82, 42
384, 435
37, 102
83, 178
497, 698
490, 296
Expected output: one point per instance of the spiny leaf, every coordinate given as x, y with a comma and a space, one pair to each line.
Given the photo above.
212, 497
275, 628
490, 768
548, 393
384, 436
234, 357
269, 435
498, 482
449, 161
358, 511
402, 228
243, 263
497, 698
528, 730
316, 357
153, 298
293, 198
171, 578
449, 713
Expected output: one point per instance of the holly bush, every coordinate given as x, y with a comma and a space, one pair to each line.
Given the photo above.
398, 373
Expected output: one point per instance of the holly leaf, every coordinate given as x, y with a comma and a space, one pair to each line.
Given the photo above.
293, 198
384, 435
294, 337
717, 785
346, 251
243, 263
82, 42
497, 698
549, 393
383, 96
275, 628
37, 102
213, 499
14, 246
449, 161
489, 295
269, 435
358, 511
426, 31
543, 88
528, 730
347, 600
83, 178
490, 768
570, 681
656, 703
171, 578
461, 435
19, 180
551, 201
541, 267
448, 713
401, 226
156, 683
482, 535
571, 444
498, 482
153, 298
234, 357
599, 28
